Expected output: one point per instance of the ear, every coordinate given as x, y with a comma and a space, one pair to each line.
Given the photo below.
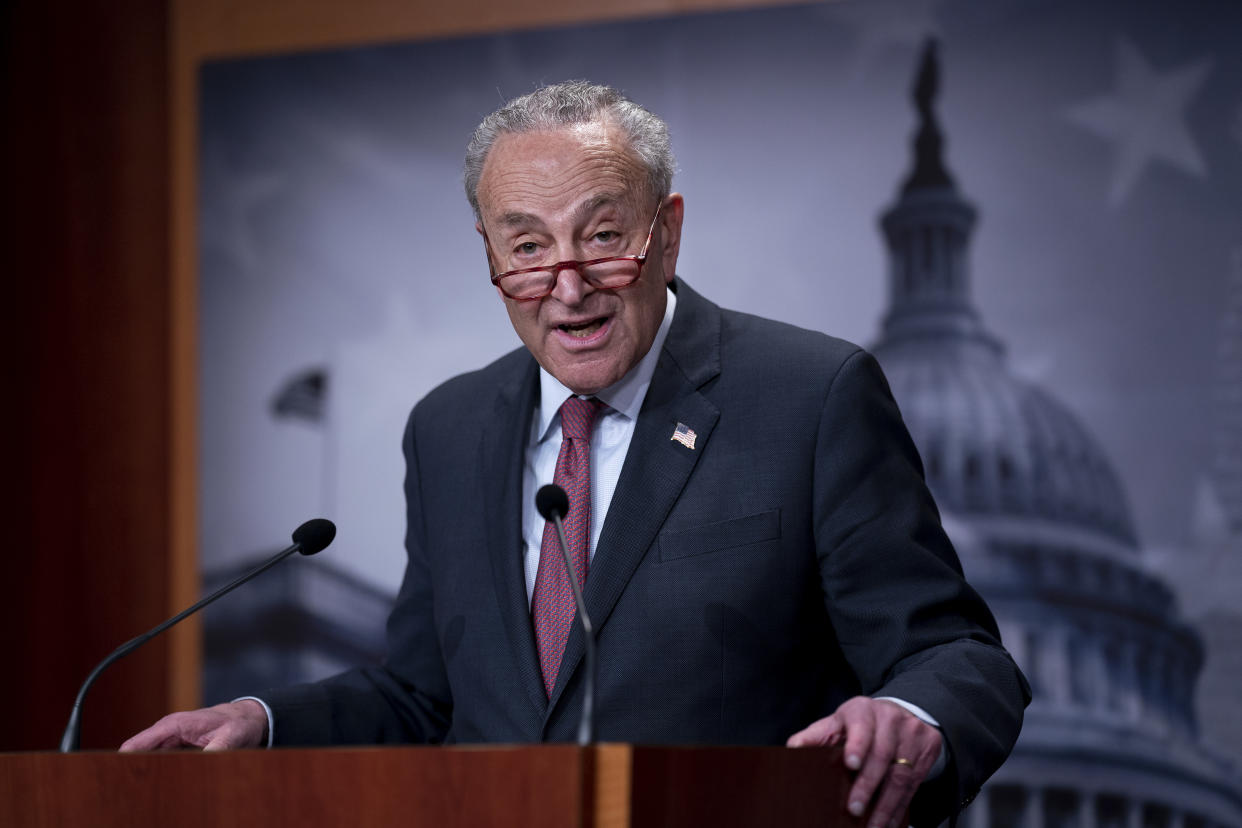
670, 233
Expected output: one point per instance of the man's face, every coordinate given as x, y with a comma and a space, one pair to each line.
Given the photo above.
578, 193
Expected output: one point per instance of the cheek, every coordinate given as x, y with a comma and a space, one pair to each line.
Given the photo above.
643, 318
522, 316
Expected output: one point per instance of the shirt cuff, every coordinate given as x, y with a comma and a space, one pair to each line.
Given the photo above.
271, 724
918, 712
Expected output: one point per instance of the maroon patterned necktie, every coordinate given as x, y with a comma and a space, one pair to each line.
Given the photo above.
552, 603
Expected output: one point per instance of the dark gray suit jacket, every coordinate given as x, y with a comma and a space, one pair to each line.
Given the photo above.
740, 589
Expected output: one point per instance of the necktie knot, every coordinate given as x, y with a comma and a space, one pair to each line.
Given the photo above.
578, 417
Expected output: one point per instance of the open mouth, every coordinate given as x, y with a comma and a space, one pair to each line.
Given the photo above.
585, 329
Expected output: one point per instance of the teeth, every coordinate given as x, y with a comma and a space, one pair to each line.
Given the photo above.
584, 330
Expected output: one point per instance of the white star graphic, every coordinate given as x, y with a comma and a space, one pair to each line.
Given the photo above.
1146, 117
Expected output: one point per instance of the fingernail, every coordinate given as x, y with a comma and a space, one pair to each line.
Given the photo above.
856, 807
853, 762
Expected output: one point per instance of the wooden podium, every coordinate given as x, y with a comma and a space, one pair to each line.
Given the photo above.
546, 786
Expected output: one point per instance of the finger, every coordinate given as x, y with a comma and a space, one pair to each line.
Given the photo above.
873, 747
826, 731
860, 729
221, 739
177, 730
919, 744
139, 741
230, 735
895, 794
163, 734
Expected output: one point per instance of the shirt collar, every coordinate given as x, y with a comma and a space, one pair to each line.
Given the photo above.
625, 396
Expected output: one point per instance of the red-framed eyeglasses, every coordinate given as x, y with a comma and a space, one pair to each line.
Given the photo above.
610, 273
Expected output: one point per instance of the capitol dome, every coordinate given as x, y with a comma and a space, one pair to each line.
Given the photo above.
1040, 520
993, 444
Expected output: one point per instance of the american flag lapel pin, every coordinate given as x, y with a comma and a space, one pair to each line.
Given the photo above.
685, 435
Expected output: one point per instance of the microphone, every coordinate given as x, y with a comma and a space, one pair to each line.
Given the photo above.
309, 538
551, 500
553, 504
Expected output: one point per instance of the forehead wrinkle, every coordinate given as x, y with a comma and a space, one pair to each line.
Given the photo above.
619, 198
528, 180
600, 170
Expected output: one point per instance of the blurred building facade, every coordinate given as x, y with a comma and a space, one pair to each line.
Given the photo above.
1042, 525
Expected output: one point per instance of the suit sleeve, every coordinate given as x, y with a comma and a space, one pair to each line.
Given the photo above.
905, 618
405, 700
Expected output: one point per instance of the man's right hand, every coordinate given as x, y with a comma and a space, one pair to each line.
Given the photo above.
239, 724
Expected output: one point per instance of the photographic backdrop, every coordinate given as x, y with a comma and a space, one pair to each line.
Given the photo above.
1101, 144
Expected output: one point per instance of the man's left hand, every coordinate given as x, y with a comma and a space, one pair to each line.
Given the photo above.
890, 747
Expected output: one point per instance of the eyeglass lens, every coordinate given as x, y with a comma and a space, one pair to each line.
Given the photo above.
608, 275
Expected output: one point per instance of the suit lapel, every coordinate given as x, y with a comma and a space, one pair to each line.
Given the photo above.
656, 466
502, 463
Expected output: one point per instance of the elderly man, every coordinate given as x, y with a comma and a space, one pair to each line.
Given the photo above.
748, 518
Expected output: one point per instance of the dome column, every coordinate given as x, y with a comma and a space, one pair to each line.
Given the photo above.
1058, 651
1130, 697
1034, 812
1100, 679
979, 813
1086, 809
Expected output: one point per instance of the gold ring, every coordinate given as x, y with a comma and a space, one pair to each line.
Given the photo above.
900, 761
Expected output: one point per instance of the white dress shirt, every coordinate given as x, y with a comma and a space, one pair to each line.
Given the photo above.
610, 441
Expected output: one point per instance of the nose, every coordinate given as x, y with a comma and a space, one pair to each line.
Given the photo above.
570, 288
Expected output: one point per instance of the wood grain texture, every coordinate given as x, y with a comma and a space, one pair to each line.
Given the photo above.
612, 770
217, 28
86, 327
703, 786
410, 787
546, 786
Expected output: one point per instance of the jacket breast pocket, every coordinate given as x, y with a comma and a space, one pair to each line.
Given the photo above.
726, 534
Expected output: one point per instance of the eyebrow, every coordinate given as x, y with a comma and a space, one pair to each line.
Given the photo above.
519, 219
592, 204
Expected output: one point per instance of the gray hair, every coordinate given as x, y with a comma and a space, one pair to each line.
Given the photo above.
566, 104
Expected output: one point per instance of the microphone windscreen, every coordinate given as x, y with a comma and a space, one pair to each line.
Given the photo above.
551, 499
314, 535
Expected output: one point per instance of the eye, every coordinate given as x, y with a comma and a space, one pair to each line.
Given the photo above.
527, 249
605, 237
